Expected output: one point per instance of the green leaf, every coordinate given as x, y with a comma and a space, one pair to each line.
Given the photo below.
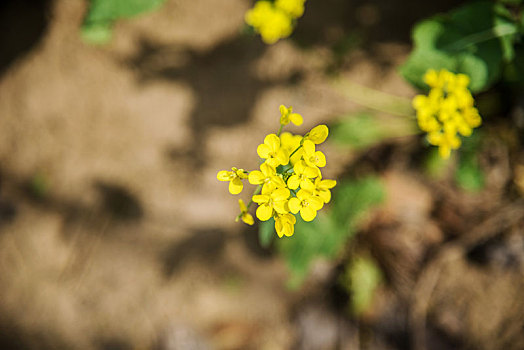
363, 278
469, 175
357, 131
97, 33
98, 23
468, 40
266, 232
366, 128
110, 10
326, 236
434, 165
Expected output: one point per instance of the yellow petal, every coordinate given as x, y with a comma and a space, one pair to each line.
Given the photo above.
308, 213
320, 159
294, 205
309, 148
235, 186
318, 134
242, 206
303, 194
325, 195
315, 202
327, 184
248, 219
296, 118
311, 172
256, 177
282, 157
261, 198
280, 194
273, 142
263, 151
293, 182
267, 169
224, 175
264, 212
307, 185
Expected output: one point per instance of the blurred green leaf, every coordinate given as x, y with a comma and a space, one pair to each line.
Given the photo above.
98, 23
468, 40
97, 34
357, 131
266, 232
362, 279
327, 234
110, 10
469, 175
434, 165
366, 128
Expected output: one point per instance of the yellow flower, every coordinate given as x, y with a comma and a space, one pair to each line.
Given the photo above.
318, 134
312, 158
235, 179
447, 110
272, 23
267, 176
306, 203
295, 8
302, 176
244, 215
322, 188
285, 224
272, 152
290, 143
287, 115
271, 200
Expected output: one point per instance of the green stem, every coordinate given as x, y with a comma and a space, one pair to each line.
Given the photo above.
280, 130
295, 151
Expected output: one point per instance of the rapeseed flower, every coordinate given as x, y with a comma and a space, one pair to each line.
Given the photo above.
271, 200
447, 111
271, 151
289, 181
244, 215
235, 177
266, 176
311, 157
274, 20
306, 203
287, 115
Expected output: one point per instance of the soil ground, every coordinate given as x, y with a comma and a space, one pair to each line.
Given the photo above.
115, 233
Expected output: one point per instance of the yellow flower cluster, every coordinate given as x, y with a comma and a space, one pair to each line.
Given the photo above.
274, 19
448, 110
289, 180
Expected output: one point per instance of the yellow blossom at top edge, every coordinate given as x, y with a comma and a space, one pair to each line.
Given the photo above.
295, 8
271, 22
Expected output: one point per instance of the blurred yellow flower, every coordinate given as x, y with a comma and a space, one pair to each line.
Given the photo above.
447, 110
